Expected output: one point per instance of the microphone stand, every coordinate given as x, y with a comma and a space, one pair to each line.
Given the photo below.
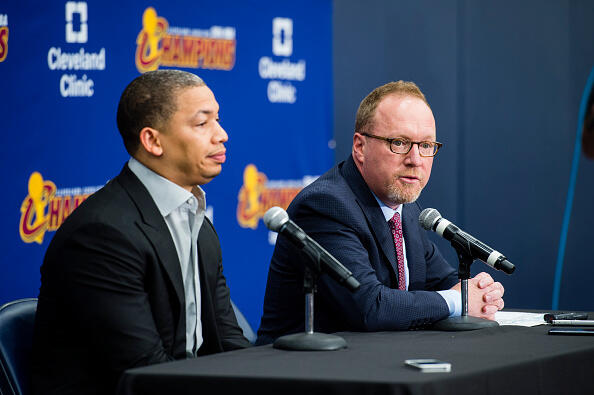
464, 322
310, 340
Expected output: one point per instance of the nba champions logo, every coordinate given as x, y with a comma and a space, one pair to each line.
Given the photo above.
3, 37
45, 208
161, 45
258, 194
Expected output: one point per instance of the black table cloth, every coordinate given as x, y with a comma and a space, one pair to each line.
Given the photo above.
502, 360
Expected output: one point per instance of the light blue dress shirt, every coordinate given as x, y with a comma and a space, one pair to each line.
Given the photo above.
452, 297
183, 213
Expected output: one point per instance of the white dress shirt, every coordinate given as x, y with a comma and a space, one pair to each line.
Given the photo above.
451, 296
183, 213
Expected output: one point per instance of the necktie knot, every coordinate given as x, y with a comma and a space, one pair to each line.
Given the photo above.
396, 226
395, 219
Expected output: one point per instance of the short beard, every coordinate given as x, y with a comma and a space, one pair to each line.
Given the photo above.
402, 195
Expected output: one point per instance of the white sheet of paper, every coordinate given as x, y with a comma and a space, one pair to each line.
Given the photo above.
519, 318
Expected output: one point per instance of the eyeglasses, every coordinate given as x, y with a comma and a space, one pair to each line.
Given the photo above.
403, 146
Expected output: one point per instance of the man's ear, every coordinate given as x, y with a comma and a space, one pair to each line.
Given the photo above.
358, 148
150, 141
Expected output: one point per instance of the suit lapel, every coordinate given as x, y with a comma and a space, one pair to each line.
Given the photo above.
208, 265
372, 211
154, 227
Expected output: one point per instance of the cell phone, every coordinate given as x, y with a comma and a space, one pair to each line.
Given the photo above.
572, 331
565, 316
429, 365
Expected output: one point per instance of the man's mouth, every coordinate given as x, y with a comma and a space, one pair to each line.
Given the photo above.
409, 179
219, 157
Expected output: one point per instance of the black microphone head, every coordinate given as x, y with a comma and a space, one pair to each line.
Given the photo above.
507, 267
428, 218
275, 218
352, 284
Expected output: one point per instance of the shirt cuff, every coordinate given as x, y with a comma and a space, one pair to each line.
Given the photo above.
454, 301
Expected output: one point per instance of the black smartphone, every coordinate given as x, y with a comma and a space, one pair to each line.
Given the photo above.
429, 365
572, 331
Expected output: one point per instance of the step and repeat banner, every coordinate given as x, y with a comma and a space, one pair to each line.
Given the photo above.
63, 67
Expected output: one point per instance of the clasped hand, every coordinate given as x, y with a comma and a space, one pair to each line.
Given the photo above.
485, 296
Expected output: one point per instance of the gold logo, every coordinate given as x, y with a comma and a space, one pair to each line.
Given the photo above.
155, 47
148, 52
33, 222
43, 211
256, 196
3, 42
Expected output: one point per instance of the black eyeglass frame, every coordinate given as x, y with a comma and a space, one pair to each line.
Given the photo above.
390, 139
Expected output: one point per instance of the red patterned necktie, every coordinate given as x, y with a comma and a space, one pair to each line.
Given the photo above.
396, 227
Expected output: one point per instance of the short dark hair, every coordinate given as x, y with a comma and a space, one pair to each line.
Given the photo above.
150, 101
366, 111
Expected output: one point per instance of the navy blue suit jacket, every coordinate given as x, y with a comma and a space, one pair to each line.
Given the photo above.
339, 211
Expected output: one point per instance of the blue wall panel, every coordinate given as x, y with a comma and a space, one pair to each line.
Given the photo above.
505, 80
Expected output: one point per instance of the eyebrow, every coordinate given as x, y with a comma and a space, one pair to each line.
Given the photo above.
207, 112
200, 112
409, 139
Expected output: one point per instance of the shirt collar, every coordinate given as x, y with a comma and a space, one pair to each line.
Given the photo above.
167, 195
388, 211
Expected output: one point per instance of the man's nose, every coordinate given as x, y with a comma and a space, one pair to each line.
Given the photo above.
220, 135
414, 158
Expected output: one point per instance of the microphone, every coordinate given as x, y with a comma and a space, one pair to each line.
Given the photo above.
277, 220
431, 219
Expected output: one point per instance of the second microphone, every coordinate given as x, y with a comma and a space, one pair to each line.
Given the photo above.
277, 220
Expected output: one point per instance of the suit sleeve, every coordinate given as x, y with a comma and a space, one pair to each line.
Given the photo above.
230, 333
375, 306
440, 274
104, 286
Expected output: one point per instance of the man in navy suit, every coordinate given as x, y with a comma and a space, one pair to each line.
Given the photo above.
134, 276
363, 212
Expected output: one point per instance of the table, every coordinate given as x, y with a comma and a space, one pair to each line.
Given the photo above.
503, 360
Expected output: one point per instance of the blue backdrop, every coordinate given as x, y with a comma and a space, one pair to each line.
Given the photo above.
66, 64
505, 81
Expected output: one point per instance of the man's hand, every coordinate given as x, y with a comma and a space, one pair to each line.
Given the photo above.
485, 296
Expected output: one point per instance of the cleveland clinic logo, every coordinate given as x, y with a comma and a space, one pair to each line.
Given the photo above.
74, 9
74, 62
281, 72
282, 36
